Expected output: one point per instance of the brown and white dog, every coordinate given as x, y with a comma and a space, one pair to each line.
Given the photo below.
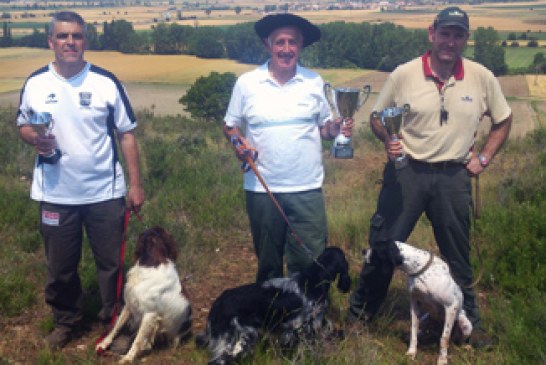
155, 304
433, 291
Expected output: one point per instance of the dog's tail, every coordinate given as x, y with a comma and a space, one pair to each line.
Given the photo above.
202, 339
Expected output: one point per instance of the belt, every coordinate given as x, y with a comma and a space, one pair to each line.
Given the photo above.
442, 165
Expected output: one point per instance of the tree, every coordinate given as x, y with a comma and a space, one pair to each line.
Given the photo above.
209, 96
539, 63
244, 46
238, 10
6, 40
163, 40
488, 52
93, 39
207, 43
121, 36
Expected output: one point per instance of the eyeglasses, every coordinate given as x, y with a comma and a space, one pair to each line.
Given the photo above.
75, 36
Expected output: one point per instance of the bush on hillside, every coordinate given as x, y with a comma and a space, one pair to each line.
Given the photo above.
209, 96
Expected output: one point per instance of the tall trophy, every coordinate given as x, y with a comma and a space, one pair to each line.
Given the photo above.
42, 123
392, 118
345, 102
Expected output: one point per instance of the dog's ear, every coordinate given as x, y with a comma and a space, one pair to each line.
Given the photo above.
395, 256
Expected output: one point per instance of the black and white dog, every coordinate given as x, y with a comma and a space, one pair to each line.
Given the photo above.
155, 303
294, 308
433, 291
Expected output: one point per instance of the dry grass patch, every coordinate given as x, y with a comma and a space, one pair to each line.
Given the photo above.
537, 85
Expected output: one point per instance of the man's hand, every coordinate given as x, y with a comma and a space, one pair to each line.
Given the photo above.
135, 198
474, 167
346, 126
333, 128
45, 145
242, 148
393, 147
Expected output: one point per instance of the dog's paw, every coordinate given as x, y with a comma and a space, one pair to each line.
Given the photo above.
411, 353
442, 360
102, 346
126, 359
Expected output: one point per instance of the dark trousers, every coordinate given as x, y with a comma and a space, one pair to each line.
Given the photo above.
272, 237
61, 227
445, 196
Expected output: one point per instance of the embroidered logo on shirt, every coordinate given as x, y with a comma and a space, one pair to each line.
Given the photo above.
51, 99
50, 218
85, 98
467, 98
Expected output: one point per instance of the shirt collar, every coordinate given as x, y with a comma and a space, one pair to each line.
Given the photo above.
458, 70
265, 76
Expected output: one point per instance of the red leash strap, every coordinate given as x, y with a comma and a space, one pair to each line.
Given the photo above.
120, 276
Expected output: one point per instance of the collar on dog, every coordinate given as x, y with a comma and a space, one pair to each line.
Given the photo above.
424, 268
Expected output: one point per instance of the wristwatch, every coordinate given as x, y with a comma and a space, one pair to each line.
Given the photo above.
483, 160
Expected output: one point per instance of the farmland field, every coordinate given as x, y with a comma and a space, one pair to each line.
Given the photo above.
157, 82
515, 57
522, 17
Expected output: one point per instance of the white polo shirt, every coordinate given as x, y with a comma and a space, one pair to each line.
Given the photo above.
88, 109
282, 122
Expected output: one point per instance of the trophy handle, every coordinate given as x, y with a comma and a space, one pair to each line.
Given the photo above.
330, 96
406, 109
364, 95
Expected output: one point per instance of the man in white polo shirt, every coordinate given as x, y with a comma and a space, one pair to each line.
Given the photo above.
284, 113
448, 97
78, 178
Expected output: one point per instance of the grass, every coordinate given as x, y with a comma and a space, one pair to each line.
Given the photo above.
193, 188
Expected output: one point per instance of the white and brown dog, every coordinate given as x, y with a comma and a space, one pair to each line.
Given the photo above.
155, 304
433, 292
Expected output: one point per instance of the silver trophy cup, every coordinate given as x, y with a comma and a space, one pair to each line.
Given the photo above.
392, 119
42, 123
345, 102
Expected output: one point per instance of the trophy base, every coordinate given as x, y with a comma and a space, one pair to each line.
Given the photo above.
342, 151
51, 159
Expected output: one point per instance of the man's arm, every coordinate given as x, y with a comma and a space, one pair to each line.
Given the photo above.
135, 195
495, 139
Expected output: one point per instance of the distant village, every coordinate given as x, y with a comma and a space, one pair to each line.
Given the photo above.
262, 5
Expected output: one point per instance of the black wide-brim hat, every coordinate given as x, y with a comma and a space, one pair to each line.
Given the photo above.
265, 26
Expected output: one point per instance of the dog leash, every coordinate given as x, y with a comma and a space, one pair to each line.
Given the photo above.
250, 162
119, 285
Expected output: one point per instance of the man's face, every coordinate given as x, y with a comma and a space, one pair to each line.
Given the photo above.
68, 42
447, 42
284, 46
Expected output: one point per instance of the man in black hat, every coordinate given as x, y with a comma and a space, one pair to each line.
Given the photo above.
281, 106
448, 97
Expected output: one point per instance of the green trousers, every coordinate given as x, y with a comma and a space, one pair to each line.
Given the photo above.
445, 196
272, 237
